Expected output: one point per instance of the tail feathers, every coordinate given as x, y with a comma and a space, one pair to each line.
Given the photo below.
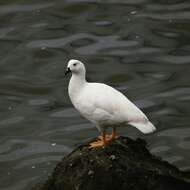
144, 127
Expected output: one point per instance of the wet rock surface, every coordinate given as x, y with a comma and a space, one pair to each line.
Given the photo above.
124, 164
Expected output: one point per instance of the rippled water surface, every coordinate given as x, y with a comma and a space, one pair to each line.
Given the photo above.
141, 47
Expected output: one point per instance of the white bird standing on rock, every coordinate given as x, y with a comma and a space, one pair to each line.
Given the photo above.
103, 105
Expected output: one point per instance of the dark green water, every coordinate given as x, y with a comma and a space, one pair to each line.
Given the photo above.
141, 47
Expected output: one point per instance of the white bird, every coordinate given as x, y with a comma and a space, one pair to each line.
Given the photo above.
103, 105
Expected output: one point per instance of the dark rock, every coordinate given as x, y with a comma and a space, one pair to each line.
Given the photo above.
123, 165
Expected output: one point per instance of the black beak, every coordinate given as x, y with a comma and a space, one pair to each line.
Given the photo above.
67, 71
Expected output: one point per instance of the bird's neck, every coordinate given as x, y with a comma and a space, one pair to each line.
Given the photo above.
77, 82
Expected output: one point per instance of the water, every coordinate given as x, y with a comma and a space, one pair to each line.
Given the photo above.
140, 47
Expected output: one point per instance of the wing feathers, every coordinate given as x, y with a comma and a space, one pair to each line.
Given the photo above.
144, 127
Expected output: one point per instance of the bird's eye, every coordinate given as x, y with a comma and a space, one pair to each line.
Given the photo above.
74, 64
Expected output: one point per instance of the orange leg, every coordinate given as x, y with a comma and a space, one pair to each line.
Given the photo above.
107, 137
104, 139
114, 134
101, 142
111, 137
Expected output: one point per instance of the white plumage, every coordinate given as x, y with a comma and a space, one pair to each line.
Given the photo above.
103, 105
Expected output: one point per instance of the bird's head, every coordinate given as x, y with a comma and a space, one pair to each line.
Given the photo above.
75, 67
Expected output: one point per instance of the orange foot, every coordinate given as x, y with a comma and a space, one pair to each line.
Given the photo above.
98, 143
101, 143
108, 137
